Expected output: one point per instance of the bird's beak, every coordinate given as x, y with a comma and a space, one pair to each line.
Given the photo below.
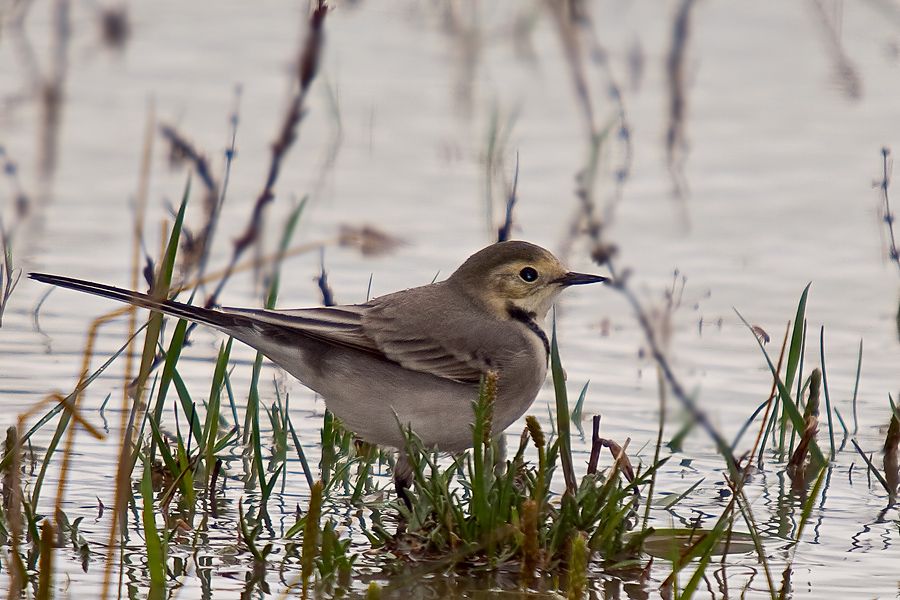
578, 279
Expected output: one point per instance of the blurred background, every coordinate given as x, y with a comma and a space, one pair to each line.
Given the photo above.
725, 154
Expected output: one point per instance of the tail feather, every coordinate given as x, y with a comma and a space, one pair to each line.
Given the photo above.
198, 314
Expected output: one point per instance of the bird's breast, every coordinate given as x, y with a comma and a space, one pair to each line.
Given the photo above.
521, 375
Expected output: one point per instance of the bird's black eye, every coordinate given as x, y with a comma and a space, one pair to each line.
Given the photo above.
528, 274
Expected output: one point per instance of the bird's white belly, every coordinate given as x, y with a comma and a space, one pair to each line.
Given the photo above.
520, 385
374, 397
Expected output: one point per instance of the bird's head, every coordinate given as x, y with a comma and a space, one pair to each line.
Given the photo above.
517, 275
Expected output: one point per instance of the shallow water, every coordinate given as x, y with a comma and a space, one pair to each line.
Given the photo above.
780, 172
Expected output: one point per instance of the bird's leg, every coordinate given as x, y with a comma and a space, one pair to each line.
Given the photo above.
500, 455
403, 478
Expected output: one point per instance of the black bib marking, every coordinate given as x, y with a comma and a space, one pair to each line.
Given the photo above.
527, 319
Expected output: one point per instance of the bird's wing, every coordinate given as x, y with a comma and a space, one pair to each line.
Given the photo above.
424, 335
386, 329
412, 328
339, 325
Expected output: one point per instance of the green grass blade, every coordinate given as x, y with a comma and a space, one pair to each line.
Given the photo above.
63, 424
793, 359
669, 502
187, 408
168, 265
171, 463
785, 394
825, 388
211, 427
160, 289
234, 414
577, 413
562, 414
840, 419
269, 485
873, 469
799, 394
253, 418
172, 355
753, 528
251, 421
156, 561
810, 502
856, 387
795, 353
704, 551
59, 406
248, 535
286, 236
301, 454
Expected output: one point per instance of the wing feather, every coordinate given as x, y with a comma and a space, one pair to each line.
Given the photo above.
424, 336
395, 328
339, 325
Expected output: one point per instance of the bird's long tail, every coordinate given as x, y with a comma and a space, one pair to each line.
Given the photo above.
208, 316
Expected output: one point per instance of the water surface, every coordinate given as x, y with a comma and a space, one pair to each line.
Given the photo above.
780, 169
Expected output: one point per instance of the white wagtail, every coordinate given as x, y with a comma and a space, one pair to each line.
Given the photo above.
412, 358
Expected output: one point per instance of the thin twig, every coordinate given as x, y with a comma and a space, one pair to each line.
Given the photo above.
52, 94
656, 351
322, 282
887, 166
845, 73
596, 445
505, 230
676, 136
308, 66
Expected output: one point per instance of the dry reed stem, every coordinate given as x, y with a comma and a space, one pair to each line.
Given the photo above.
195, 249
13, 491
656, 351
797, 465
676, 136
140, 212
598, 55
769, 403
123, 475
736, 484
97, 323
79, 389
69, 407
308, 65
845, 73
891, 460
52, 96
307, 69
596, 445
796, 469
565, 17
622, 462
12, 499
586, 219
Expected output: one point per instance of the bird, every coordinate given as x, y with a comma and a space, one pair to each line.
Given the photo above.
410, 359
